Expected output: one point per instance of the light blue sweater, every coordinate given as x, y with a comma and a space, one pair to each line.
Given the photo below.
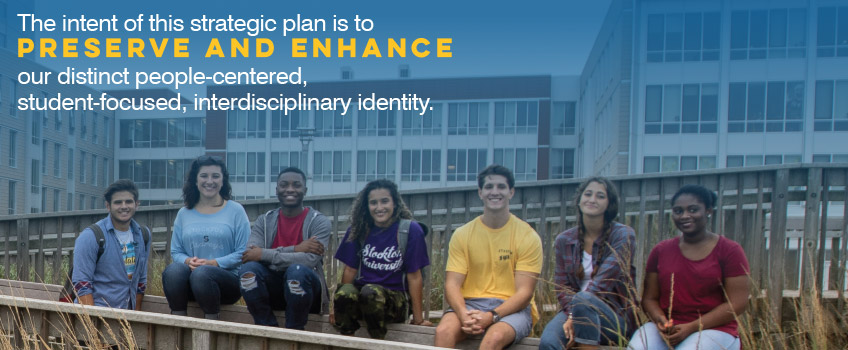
221, 236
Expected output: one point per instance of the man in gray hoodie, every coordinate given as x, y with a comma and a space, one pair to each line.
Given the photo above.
283, 265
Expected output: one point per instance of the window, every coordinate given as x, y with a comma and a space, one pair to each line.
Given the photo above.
57, 160
13, 148
372, 165
776, 33
83, 126
70, 202
771, 107
36, 131
56, 196
195, 132
831, 112
243, 124
331, 123
93, 204
688, 37
13, 200
13, 96
82, 167
43, 158
104, 180
516, 117
421, 165
72, 121
463, 165
158, 133
94, 130
42, 114
332, 166
93, 180
154, 173
107, 132
468, 118
372, 123
35, 178
688, 109
70, 164
522, 161
283, 126
655, 164
81, 205
562, 163
428, 124
282, 160
832, 32
57, 120
246, 166
563, 118
651, 164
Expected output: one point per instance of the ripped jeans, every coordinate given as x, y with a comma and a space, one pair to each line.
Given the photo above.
298, 291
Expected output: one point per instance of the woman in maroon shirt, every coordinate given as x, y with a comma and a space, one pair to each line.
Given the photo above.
709, 274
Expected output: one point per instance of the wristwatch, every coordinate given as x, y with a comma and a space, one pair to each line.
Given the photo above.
495, 317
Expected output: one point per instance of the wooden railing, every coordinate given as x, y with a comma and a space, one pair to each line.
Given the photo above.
782, 215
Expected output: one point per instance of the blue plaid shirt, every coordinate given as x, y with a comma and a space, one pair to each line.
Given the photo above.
610, 283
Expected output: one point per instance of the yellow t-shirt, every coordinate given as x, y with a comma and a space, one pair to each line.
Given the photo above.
489, 257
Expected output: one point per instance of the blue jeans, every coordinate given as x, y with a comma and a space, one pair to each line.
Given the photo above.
595, 323
648, 337
210, 286
299, 287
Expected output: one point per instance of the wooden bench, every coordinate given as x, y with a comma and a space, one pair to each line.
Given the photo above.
237, 313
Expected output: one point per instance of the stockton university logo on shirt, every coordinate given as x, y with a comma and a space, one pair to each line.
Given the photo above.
128, 252
387, 260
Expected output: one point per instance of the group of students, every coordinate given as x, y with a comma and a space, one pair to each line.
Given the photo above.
494, 262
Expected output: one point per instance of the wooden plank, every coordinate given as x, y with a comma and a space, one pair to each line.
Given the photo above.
737, 217
718, 225
661, 211
39, 257
842, 253
544, 234
428, 278
822, 250
7, 264
23, 249
448, 233
201, 339
777, 242
760, 265
58, 274
809, 278
641, 236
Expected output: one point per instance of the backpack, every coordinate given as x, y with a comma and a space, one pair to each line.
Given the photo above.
68, 293
403, 240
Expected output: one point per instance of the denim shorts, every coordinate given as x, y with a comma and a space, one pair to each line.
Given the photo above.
521, 322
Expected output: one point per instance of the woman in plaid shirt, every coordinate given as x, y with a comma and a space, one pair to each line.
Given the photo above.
594, 274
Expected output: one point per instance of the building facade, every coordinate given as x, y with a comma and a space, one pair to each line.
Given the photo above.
707, 84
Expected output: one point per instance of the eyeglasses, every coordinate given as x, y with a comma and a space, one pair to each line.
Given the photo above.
205, 158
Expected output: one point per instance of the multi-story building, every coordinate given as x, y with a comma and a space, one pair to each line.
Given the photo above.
527, 123
155, 148
50, 160
684, 85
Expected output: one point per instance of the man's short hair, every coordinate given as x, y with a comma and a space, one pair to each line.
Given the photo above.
292, 169
118, 186
495, 169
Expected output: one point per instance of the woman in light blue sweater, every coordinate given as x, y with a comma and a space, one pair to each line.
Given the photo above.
210, 235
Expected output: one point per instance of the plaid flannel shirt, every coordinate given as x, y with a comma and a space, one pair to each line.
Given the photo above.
611, 284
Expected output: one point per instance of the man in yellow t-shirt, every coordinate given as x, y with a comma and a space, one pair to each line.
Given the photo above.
493, 264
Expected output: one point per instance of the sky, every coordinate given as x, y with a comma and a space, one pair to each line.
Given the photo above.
489, 38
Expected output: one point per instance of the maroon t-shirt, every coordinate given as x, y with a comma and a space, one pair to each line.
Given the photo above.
697, 284
289, 230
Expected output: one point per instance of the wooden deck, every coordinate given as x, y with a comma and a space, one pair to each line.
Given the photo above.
43, 296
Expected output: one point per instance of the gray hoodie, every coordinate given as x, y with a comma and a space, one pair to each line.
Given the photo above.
315, 224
